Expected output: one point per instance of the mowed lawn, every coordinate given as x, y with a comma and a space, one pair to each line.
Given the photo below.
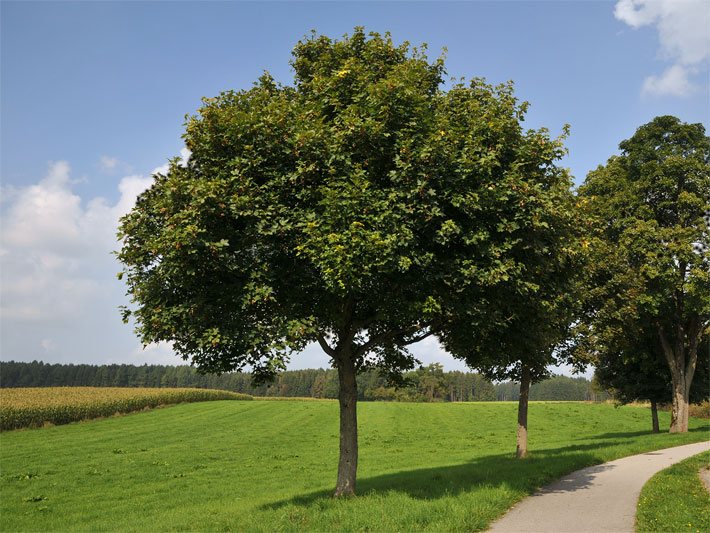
270, 465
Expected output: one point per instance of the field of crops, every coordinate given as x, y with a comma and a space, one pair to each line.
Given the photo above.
33, 407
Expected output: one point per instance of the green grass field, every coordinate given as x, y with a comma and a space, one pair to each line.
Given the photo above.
270, 466
675, 499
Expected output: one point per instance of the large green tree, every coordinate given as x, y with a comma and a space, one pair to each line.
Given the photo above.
651, 269
349, 209
520, 321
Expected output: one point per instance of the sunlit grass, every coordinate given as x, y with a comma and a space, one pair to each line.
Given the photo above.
675, 499
270, 466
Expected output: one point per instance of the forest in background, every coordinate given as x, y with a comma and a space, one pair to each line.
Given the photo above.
428, 383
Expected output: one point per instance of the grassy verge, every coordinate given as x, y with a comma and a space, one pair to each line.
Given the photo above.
270, 466
37, 406
675, 499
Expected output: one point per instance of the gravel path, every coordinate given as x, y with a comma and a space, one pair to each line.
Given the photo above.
598, 499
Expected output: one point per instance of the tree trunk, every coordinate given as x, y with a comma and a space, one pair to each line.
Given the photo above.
347, 466
679, 408
522, 439
682, 371
654, 416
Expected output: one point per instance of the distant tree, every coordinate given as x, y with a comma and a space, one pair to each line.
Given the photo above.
430, 381
651, 268
384, 393
318, 388
468, 387
562, 388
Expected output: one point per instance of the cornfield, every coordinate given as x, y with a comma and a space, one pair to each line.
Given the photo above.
37, 406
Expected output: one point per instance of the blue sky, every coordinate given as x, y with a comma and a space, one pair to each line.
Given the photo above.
94, 97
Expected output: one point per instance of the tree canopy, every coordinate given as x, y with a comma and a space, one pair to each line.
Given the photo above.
511, 328
651, 270
361, 208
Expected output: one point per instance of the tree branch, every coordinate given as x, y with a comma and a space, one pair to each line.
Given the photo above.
391, 335
694, 331
422, 336
374, 341
667, 349
326, 347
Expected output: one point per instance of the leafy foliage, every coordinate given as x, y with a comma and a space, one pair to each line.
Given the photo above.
648, 289
362, 204
300, 208
650, 205
644, 374
518, 317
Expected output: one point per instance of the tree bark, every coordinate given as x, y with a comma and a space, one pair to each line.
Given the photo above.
679, 408
681, 373
654, 416
347, 465
522, 437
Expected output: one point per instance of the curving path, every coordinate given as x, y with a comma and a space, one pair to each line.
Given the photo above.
597, 499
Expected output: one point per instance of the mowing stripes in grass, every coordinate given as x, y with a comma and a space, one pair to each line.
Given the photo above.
675, 499
271, 466
33, 407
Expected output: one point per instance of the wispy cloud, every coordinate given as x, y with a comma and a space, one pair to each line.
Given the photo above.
48, 345
673, 82
683, 35
108, 164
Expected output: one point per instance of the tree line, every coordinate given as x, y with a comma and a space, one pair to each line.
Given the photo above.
426, 384
370, 205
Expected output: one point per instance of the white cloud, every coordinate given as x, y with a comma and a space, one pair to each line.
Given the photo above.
159, 353
48, 345
673, 82
108, 163
683, 36
59, 295
56, 250
634, 13
184, 158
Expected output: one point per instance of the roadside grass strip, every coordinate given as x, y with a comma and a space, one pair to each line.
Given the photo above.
38, 406
675, 499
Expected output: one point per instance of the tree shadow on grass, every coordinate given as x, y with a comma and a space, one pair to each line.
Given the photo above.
543, 467
501, 470
623, 435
